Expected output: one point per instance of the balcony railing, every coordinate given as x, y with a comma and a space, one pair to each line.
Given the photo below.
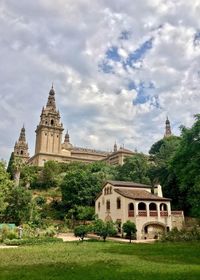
153, 213
142, 213
131, 213
177, 213
163, 213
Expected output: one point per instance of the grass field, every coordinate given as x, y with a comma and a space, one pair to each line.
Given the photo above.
102, 261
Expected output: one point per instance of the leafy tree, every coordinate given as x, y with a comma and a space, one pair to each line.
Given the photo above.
49, 174
85, 213
81, 185
5, 186
130, 229
160, 170
18, 208
29, 175
10, 166
135, 169
17, 166
185, 164
81, 231
104, 229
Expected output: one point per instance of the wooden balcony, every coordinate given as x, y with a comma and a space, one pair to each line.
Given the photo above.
142, 213
153, 213
131, 213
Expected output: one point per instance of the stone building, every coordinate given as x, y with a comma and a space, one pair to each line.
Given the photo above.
49, 145
121, 201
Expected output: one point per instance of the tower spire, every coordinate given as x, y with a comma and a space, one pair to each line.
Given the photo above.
51, 103
168, 131
21, 147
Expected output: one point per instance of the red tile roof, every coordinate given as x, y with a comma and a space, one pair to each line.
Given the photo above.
127, 184
140, 195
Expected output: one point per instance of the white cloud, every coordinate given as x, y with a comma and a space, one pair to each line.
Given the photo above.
42, 42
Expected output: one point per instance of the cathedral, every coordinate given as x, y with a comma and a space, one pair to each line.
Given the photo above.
49, 145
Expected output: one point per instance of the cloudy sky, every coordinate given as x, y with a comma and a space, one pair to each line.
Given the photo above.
118, 68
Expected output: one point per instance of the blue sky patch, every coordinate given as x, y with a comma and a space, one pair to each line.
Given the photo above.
112, 54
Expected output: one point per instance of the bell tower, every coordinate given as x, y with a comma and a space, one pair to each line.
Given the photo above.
49, 131
21, 147
168, 131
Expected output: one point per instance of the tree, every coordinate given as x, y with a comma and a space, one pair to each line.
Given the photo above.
130, 229
186, 165
82, 183
104, 229
49, 174
10, 166
160, 171
135, 169
17, 166
85, 213
81, 231
5, 186
18, 208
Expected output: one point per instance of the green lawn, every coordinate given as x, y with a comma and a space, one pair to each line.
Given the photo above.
102, 261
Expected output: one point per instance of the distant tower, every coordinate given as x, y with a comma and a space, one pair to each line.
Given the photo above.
115, 147
49, 131
167, 128
21, 147
67, 145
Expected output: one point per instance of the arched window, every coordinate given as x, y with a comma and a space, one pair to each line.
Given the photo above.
107, 204
21, 152
52, 122
99, 206
105, 191
110, 190
153, 209
163, 207
142, 209
163, 210
131, 210
130, 206
118, 203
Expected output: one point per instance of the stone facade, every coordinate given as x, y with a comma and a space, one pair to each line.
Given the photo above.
49, 144
122, 201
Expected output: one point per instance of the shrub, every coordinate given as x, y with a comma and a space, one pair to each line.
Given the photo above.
32, 241
130, 229
7, 233
81, 231
104, 229
176, 235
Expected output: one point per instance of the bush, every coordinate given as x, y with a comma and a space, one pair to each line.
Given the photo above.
81, 231
32, 241
176, 235
104, 229
130, 229
7, 233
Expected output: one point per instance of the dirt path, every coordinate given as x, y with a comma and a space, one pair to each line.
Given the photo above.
71, 237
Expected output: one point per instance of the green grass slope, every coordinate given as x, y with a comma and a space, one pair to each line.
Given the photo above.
102, 261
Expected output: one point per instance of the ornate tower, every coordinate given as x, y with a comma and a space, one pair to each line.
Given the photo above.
21, 146
115, 147
67, 145
49, 131
167, 128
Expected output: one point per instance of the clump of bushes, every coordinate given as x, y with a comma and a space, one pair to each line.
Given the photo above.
29, 235
8, 233
32, 241
176, 235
